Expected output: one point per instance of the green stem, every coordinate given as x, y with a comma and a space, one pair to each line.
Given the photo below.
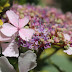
39, 52
58, 68
0, 49
47, 57
41, 61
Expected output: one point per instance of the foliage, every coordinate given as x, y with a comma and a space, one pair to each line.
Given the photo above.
28, 1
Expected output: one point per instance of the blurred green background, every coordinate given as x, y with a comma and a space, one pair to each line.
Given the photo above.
65, 5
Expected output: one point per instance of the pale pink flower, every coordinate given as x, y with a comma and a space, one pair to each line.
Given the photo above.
69, 51
67, 37
4, 38
9, 49
26, 62
17, 26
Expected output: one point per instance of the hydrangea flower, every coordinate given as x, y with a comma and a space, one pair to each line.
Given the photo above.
52, 27
10, 48
26, 62
67, 37
45, 22
69, 51
18, 25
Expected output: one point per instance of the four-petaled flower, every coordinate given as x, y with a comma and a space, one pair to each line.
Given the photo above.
17, 26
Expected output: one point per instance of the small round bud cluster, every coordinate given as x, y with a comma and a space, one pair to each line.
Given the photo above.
50, 24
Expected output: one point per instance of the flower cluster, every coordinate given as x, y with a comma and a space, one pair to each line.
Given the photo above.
51, 26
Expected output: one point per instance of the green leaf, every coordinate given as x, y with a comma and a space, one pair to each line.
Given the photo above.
14, 62
49, 69
59, 60
63, 62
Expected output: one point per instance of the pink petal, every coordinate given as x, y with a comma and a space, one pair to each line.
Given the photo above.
8, 29
13, 18
26, 34
23, 22
69, 51
67, 37
4, 38
10, 49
